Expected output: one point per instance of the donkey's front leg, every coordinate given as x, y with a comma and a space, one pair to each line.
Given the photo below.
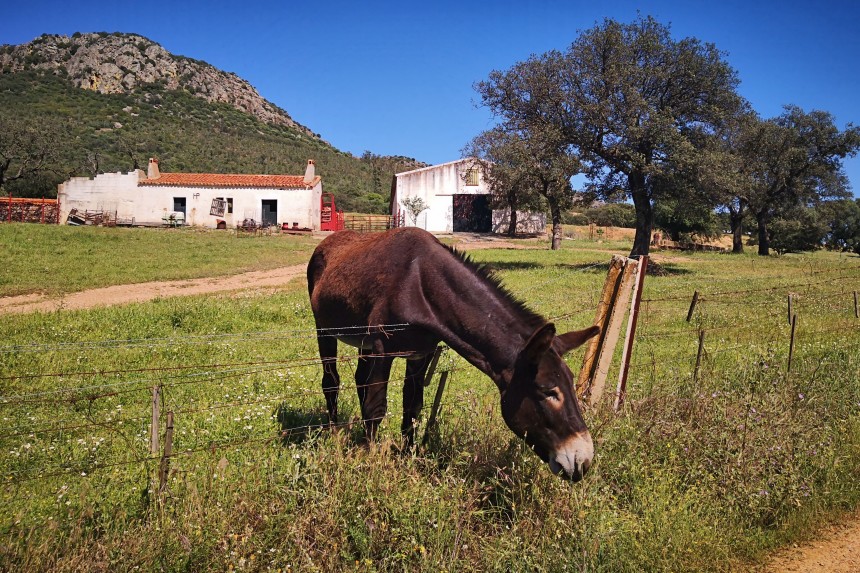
413, 397
371, 381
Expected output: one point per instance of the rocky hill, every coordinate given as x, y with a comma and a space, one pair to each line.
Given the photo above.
97, 103
120, 63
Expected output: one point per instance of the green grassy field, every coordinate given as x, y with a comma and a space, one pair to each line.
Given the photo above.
696, 474
60, 259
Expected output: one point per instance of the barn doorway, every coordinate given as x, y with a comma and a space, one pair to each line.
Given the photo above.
179, 205
269, 212
472, 214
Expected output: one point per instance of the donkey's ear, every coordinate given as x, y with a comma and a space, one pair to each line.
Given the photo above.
574, 339
539, 343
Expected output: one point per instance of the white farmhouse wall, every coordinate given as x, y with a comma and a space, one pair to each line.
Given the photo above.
148, 205
106, 192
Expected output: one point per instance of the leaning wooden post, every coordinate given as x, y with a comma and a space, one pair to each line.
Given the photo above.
431, 369
791, 344
434, 411
164, 467
632, 320
693, 305
612, 332
604, 308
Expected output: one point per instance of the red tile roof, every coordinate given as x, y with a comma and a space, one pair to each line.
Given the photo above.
229, 180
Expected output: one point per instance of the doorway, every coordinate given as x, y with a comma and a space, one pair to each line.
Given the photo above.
472, 214
269, 212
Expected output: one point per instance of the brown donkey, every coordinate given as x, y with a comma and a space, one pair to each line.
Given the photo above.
400, 293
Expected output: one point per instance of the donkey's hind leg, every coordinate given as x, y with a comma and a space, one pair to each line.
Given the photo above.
331, 379
371, 381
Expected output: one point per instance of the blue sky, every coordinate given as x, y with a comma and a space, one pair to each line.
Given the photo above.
396, 78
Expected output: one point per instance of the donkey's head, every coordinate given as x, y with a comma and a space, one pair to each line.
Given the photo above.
540, 404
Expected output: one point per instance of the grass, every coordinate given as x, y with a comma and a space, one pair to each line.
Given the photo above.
60, 259
705, 474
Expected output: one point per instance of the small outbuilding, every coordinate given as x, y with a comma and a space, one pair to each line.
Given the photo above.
214, 200
457, 199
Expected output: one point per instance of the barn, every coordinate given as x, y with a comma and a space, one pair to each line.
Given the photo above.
214, 200
457, 200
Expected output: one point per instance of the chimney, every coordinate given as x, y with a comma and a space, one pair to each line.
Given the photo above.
152, 172
310, 172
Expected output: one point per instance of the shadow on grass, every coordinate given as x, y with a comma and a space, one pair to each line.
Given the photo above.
296, 426
300, 426
511, 265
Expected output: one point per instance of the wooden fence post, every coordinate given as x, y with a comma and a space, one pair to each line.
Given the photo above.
699, 358
153, 429
856, 309
609, 338
604, 308
790, 308
693, 305
632, 320
791, 344
164, 467
431, 370
434, 411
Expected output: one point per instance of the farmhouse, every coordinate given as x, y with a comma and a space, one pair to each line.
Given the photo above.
201, 199
457, 200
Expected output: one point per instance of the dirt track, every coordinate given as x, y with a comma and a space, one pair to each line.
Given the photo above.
141, 292
837, 550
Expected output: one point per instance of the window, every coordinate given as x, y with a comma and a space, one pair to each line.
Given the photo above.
229, 205
218, 206
472, 177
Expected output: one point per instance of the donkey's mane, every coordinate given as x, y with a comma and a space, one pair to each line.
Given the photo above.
485, 273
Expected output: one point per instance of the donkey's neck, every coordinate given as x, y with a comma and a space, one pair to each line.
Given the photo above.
481, 322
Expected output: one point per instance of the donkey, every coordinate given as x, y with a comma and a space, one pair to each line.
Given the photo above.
401, 293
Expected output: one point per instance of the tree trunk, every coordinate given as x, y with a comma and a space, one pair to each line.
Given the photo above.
644, 215
736, 220
512, 220
555, 212
763, 238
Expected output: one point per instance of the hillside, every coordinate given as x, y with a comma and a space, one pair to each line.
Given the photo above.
107, 102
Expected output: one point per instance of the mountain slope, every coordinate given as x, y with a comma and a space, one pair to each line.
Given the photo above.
120, 63
116, 100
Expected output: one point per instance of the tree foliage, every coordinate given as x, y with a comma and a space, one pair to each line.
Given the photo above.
797, 161
627, 100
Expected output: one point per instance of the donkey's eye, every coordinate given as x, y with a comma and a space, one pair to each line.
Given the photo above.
551, 393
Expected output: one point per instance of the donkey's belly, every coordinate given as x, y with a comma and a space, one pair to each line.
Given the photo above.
363, 342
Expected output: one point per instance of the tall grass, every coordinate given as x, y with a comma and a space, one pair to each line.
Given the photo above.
695, 474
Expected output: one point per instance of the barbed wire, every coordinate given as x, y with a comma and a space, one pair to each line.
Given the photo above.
206, 338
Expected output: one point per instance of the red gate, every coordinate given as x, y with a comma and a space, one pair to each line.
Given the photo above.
330, 218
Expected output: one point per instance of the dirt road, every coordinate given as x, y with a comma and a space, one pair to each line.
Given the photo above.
141, 292
836, 550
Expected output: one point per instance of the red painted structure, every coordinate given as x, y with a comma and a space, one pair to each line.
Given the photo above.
330, 218
28, 210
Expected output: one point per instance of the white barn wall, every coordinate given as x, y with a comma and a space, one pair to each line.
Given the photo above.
437, 185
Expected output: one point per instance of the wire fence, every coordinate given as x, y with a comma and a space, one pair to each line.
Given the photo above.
74, 422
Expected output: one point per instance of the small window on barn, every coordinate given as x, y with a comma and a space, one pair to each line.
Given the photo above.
472, 177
